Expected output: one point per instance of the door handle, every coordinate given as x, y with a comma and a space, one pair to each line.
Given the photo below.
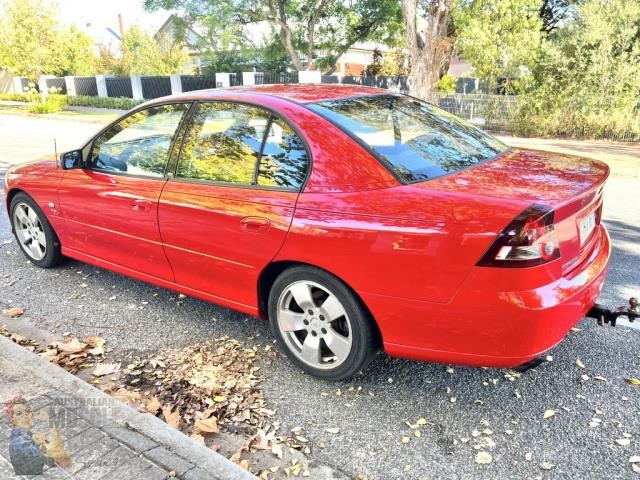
255, 224
140, 204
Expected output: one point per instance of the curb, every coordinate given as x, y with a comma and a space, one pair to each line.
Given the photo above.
163, 445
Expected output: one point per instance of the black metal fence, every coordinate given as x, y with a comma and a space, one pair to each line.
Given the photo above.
58, 83
86, 86
235, 79
119, 87
265, 78
154, 87
197, 82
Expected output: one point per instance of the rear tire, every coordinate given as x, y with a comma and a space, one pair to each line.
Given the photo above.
320, 324
33, 232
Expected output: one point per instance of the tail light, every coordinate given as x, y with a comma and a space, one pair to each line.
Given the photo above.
527, 241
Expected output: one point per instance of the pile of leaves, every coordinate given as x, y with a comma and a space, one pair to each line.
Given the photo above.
205, 389
71, 354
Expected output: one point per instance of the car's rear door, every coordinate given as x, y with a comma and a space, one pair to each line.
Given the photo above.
226, 213
111, 205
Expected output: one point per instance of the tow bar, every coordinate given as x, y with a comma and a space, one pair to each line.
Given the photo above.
604, 315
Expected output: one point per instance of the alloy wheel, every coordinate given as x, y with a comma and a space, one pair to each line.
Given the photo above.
314, 324
29, 231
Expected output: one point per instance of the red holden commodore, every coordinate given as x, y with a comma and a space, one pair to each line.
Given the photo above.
352, 218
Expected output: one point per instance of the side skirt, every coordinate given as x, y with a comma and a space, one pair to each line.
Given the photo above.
83, 257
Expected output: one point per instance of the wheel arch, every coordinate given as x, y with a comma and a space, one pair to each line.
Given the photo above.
10, 195
272, 270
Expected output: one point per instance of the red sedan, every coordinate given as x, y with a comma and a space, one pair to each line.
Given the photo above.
352, 218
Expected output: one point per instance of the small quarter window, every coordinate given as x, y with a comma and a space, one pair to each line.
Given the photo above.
284, 161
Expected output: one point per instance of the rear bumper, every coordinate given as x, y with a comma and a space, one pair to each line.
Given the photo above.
487, 324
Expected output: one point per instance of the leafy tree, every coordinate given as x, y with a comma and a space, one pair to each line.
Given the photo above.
430, 39
300, 25
500, 38
29, 40
78, 56
554, 12
395, 63
375, 67
589, 71
142, 55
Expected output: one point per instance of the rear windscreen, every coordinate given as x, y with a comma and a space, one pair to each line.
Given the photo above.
417, 140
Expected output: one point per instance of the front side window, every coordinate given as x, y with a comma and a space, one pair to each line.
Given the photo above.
140, 143
223, 143
416, 139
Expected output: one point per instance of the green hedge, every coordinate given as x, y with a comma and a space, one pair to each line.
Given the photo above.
120, 103
20, 97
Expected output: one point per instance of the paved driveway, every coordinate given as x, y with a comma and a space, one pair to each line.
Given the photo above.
464, 409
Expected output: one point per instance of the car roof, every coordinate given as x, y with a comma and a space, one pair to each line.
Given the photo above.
301, 93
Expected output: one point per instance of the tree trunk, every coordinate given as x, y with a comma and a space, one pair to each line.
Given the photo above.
287, 42
430, 49
279, 17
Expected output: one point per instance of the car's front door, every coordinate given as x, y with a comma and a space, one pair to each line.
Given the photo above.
111, 205
227, 211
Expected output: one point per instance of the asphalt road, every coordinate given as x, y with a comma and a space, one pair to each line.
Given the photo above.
458, 406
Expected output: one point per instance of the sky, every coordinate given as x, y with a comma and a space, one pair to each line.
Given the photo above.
95, 16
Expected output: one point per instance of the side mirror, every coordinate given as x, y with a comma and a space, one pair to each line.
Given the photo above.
72, 159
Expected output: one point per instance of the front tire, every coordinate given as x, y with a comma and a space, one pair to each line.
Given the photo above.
33, 232
320, 324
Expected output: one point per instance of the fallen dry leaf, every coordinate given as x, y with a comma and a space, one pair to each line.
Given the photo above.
210, 425
172, 417
406, 440
634, 459
153, 405
546, 465
332, 430
103, 369
579, 363
632, 381
548, 414
483, 458
623, 441
13, 312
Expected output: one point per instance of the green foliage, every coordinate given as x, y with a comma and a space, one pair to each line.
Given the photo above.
53, 103
500, 38
588, 78
20, 97
447, 84
121, 103
29, 39
78, 56
142, 55
395, 63
308, 26
375, 67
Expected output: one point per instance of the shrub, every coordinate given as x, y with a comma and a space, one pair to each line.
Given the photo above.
53, 103
20, 97
122, 103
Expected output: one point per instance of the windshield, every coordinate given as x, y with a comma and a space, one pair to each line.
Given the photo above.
416, 139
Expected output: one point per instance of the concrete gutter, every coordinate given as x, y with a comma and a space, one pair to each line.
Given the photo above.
142, 432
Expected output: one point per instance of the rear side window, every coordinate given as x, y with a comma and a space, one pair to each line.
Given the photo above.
417, 140
223, 143
244, 145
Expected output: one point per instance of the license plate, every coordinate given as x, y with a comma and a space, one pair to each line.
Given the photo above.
586, 226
